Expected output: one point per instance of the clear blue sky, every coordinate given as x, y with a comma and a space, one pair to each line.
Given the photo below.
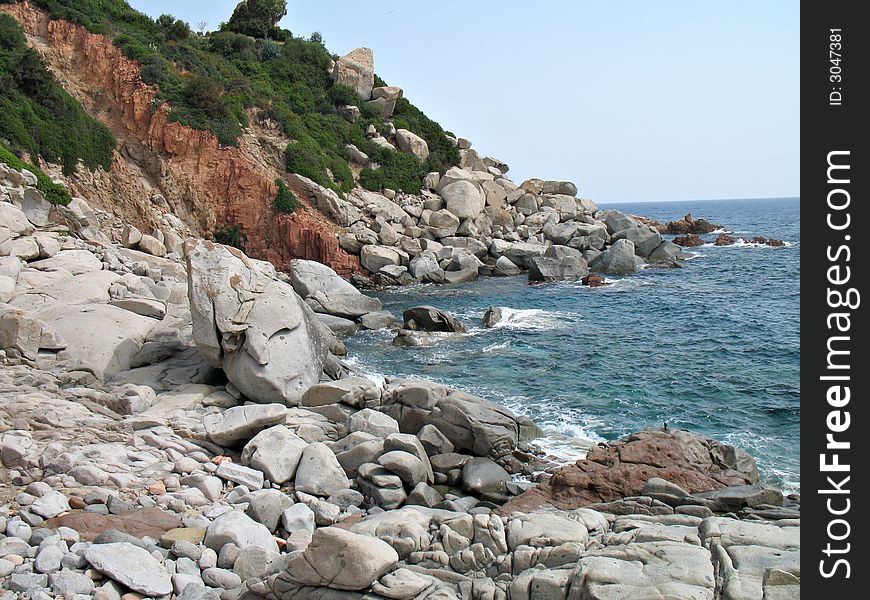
631, 100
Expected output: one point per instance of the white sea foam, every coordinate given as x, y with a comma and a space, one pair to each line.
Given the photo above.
742, 243
533, 319
492, 348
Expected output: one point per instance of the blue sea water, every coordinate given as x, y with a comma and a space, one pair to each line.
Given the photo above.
712, 347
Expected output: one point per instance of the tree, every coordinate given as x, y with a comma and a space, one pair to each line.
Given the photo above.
257, 18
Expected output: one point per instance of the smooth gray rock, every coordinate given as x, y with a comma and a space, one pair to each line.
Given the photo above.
319, 472
238, 528
544, 268
50, 505
250, 478
429, 318
308, 276
70, 582
241, 423
254, 327
483, 476
131, 566
372, 421
618, 259
276, 452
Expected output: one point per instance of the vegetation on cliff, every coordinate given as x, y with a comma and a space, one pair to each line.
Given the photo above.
37, 117
53, 192
210, 80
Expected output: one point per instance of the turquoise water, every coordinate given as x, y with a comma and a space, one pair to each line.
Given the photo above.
712, 347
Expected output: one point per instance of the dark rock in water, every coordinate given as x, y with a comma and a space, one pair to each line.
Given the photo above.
725, 240
690, 225
775, 243
429, 318
594, 281
492, 316
691, 240
693, 462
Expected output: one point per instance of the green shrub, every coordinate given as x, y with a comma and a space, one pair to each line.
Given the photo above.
53, 192
38, 117
398, 171
286, 201
231, 236
257, 18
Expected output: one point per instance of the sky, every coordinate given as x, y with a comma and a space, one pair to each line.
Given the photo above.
633, 101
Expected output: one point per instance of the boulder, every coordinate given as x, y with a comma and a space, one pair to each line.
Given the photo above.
34, 206
693, 462
616, 221
235, 527
374, 258
372, 421
506, 268
481, 475
645, 238
356, 70
429, 318
338, 559
319, 472
544, 268
13, 219
443, 223
559, 187
241, 423
308, 276
412, 143
268, 342
26, 333
463, 198
152, 246
617, 259
347, 306
358, 392
276, 452
74, 261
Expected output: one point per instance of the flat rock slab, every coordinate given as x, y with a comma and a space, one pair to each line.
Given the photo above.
150, 522
132, 566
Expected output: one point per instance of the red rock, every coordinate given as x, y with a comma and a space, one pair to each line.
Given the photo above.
689, 241
207, 184
157, 488
610, 473
151, 522
593, 281
725, 240
76, 502
689, 224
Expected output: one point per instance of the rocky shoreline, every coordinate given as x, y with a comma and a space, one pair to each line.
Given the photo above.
176, 420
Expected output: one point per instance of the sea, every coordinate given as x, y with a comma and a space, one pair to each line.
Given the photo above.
712, 347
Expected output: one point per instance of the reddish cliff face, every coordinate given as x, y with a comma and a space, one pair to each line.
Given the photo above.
208, 185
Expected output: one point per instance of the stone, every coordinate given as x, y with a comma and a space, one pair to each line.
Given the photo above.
252, 563
241, 423
412, 143
68, 582
463, 198
374, 258
354, 154
130, 236
308, 276
373, 422
250, 478
221, 578
150, 522
433, 441
408, 467
181, 536
358, 392
48, 560
356, 70
298, 517
319, 472
402, 584
481, 475
152, 246
429, 318
131, 566
618, 259
276, 452
506, 268
256, 328
50, 505
645, 239
146, 307
378, 320
735, 498
238, 528
544, 268
340, 560
74, 261
444, 223
616, 221
693, 462
15, 220
348, 306
544, 529
559, 187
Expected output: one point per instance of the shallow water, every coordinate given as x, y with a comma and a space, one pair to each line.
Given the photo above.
712, 347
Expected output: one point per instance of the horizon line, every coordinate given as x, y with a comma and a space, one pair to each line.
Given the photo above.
700, 200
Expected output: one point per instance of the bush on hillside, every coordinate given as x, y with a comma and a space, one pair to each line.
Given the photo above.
257, 18
286, 201
53, 192
231, 236
38, 117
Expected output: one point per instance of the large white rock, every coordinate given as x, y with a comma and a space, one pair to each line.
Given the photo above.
463, 199
26, 333
74, 261
268, 342
14, 220
99, 338
374, 258
339, 559
356, 70
308, 276
412, 143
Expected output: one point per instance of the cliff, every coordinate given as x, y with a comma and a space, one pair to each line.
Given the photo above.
204, 183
